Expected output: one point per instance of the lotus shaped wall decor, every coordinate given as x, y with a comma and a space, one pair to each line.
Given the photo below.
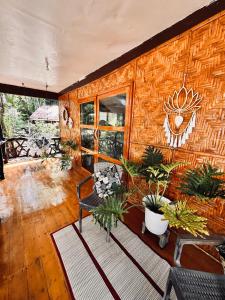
180, 109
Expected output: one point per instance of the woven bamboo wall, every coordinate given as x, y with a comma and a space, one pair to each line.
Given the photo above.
200, 54
69, 101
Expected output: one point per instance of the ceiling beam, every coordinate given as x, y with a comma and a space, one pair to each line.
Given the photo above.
24, 91
192, 20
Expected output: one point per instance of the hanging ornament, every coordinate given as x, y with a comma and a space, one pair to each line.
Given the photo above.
64, 115
70, 123
180, 109
178, 121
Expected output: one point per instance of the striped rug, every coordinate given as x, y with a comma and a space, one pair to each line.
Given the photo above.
124, 268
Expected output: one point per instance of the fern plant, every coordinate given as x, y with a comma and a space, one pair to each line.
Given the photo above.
113, 207
203, 183
181, 216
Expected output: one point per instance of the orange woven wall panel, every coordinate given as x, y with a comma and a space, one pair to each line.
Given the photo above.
69, 101
200, 55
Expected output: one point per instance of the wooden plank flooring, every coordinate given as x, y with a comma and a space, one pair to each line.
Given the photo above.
37, 201
29, 266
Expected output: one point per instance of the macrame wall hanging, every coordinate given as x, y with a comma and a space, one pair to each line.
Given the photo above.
180, 109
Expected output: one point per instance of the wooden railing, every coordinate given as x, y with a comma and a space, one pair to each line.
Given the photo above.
21, 147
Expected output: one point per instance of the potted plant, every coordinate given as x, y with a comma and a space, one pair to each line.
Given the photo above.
158, 181
157, 178
66, 159
66, 162
157, 206
70, 144
203, 182
178, 215
112, 209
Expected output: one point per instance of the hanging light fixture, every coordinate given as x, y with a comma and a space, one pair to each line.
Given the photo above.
46, 63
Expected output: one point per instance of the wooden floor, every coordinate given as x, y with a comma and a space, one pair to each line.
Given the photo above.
36, 200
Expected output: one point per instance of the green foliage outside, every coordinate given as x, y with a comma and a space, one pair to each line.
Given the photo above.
14, 116
41, 128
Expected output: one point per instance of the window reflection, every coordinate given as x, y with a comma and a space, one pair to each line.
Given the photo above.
87, 113
111, 143
87, 161
112, 110
87, 138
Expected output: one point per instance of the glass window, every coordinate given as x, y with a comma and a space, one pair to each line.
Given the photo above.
87, 113
87, 161
111, 143
87, 138
112, 110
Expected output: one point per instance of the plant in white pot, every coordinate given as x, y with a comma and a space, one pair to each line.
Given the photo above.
157, 176
158, 180
160, 212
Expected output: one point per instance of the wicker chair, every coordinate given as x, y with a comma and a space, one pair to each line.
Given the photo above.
191, 284
93, 200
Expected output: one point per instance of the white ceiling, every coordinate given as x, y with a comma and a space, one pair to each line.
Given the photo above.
77, 36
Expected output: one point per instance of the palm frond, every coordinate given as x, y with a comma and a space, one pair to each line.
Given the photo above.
203, 182
152, 157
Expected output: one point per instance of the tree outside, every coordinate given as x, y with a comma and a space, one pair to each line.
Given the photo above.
15, 113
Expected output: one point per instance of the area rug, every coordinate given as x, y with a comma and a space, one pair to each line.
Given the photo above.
124, 268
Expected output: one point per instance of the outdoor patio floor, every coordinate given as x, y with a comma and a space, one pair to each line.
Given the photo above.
29, 266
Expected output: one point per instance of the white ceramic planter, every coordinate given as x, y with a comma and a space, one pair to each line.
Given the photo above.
154, 222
